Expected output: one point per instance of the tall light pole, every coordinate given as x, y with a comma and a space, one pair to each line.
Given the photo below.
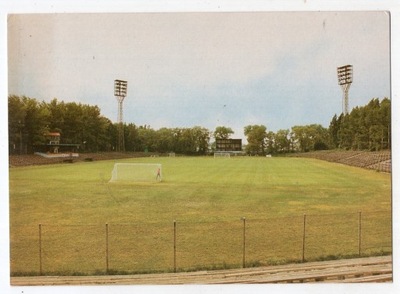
345, 78
120, 90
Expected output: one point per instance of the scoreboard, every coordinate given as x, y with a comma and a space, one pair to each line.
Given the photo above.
228, 144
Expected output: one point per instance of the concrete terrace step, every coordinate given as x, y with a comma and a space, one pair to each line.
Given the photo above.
371, 269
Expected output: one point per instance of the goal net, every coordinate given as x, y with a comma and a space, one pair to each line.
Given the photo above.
136, 172
222, 154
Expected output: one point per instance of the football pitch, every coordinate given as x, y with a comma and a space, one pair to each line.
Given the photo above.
208, 198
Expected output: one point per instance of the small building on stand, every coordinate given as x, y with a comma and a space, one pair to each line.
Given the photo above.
54, 148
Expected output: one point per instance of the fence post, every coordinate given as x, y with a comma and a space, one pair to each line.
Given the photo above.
359, 233
244, 242
107, 248
174, 246
40, 250
304, 237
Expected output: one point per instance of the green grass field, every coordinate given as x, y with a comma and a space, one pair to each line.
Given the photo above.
207, 198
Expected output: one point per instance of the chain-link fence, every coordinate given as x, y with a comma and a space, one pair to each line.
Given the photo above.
141, 247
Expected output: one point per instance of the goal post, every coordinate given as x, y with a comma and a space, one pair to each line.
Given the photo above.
136, 172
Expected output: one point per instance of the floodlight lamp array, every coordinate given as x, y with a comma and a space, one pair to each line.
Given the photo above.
345, 74
120, 88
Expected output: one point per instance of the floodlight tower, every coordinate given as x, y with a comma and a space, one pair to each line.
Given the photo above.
345, 78
120, 90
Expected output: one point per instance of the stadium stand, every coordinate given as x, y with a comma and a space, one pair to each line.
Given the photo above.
27, 160
378, 160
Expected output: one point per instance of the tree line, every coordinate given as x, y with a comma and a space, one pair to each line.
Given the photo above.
365, 128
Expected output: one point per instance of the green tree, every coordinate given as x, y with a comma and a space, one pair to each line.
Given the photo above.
270, 142
102, 139
385, 119
375, 124
147, 139
57, 115
334, 128
77, 123
302, 139
222, 132
345, 133
366, 127
165, 140
36, 123
282, 141
80, 124
256, 135
310, 137
202, 139
16, 124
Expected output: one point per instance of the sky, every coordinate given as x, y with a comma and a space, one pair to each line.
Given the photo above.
204, 69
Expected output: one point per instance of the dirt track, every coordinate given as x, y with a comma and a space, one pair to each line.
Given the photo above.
360, 270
